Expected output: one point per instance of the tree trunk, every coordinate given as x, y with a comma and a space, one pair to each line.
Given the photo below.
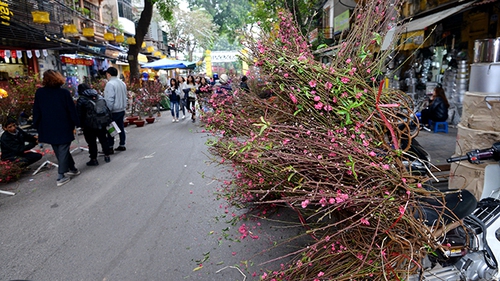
140, 32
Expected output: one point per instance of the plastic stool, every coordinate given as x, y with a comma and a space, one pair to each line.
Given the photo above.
439, 126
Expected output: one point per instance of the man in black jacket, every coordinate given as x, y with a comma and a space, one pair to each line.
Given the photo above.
13, 144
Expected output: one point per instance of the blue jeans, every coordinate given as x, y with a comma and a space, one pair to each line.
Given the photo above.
118, 118
174, 109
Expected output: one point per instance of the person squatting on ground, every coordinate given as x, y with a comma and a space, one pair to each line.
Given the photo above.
55, 118
13, 144
174, 94
115, 94
92, 129
437, 110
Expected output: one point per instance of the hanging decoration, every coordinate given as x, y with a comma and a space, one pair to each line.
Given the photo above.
143, 45
157, 54
108, 36
37, 53
70, 30
131, 40
29, 54
41, 17
150, 49
119, 38
88, 31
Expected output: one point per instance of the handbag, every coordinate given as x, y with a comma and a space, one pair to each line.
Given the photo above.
192, 93
113, 129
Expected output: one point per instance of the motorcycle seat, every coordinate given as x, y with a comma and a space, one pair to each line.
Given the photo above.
454, 205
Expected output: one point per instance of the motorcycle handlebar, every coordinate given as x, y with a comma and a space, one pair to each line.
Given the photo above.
475, 156
456, 159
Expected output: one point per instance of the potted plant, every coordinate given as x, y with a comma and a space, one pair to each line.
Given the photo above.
133, 104
152, 93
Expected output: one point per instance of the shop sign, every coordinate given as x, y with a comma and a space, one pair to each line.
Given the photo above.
79, 61
342, 21
412, 40
5, 13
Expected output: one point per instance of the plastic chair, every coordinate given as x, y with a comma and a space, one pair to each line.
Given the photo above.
437, 127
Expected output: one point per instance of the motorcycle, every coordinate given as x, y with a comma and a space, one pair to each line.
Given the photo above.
472, 250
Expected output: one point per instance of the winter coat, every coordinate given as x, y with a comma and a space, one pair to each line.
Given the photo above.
438, 109
115, 94
13, 145
83, 105
54, 115
174, 95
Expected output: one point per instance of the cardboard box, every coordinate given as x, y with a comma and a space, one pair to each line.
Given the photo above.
480, 111
464, 175
469, 139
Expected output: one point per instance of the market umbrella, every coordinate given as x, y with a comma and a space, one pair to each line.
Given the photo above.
169, 64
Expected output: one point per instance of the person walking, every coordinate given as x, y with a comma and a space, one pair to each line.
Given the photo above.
55, 119
190, 96
174, 94
92, 128
115, 94
182, 102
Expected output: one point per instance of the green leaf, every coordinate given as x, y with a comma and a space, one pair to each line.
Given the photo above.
322, 46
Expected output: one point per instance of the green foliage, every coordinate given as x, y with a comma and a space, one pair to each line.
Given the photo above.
229, 16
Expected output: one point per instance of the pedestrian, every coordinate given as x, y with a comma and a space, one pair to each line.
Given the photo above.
16, 143
182, 102
55, 119
204, 93
224, 86
92, 129
174, 94
190, 96
115, 94
244, 85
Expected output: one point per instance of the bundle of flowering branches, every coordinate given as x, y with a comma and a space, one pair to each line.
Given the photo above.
328, 144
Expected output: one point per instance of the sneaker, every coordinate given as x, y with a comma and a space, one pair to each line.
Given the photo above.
184, 117
173, 120
73, 173
63, 181
176, 120
92, 162
121, 148
107, 159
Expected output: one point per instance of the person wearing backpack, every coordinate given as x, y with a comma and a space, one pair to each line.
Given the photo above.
94, 117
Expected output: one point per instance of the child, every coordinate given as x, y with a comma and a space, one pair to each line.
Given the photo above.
13, 144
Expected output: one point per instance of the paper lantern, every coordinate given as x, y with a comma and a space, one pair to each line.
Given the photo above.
70, 30
119, 38
143, 45
150, 49
108, 36
131, 40
41, 17
88, 32
157, 54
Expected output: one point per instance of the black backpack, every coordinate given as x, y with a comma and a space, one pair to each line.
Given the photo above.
99, 116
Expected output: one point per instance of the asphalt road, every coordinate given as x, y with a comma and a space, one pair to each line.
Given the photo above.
150, 214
